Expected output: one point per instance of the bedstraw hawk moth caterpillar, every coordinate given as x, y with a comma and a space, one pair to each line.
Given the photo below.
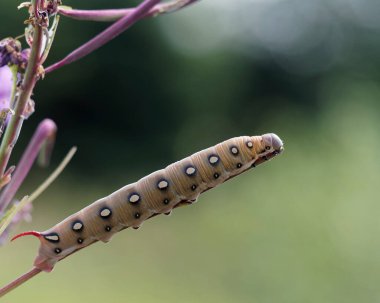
158, 193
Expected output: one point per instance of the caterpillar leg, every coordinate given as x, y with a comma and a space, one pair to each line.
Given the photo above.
185, 203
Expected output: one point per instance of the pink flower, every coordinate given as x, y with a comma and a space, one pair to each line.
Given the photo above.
6, 84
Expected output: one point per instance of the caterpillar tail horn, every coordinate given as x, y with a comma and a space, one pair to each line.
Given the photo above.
27, 233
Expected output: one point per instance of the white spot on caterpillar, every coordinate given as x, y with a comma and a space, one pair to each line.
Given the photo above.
52, 237
105, 212
190, 171
234, 150
213, 159
249, 144
77, 226
163, 184
134, 198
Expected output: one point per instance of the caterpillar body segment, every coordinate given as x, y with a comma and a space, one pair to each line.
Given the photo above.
158, 193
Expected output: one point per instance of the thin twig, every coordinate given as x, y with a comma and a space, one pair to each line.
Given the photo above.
105, 36
8, 218
20, 280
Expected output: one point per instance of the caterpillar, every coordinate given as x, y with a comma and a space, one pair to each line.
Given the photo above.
176, 185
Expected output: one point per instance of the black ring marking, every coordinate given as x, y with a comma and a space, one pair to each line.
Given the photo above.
52, 237
239, 165
267, 147
134, 198
162, 184
57, 250
80, 240
137, 215
234, 150
108, 228
166, 201
249, 144
77, 226
216, 175
193, 187
213, 159
105, 213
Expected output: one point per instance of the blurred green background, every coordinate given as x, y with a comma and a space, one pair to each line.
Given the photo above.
302, 228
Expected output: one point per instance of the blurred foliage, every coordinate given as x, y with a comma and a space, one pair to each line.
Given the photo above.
302, 228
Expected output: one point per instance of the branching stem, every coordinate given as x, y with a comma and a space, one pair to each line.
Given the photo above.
26, 89
108, 34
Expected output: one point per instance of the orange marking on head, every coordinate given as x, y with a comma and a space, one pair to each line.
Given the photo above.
28, 233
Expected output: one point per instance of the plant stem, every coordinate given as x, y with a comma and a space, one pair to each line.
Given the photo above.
26, 89
20, 280
108, 34
108, 15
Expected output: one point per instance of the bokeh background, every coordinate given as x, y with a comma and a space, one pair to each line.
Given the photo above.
302, 228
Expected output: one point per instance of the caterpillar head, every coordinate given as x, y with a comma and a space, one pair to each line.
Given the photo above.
272, 143
47, 254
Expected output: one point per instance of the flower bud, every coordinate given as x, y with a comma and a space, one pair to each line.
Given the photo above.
10, 50
12, 54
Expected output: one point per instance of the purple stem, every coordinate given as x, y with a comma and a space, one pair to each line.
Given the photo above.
105, 36
45, 132
105, 15
108, 15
